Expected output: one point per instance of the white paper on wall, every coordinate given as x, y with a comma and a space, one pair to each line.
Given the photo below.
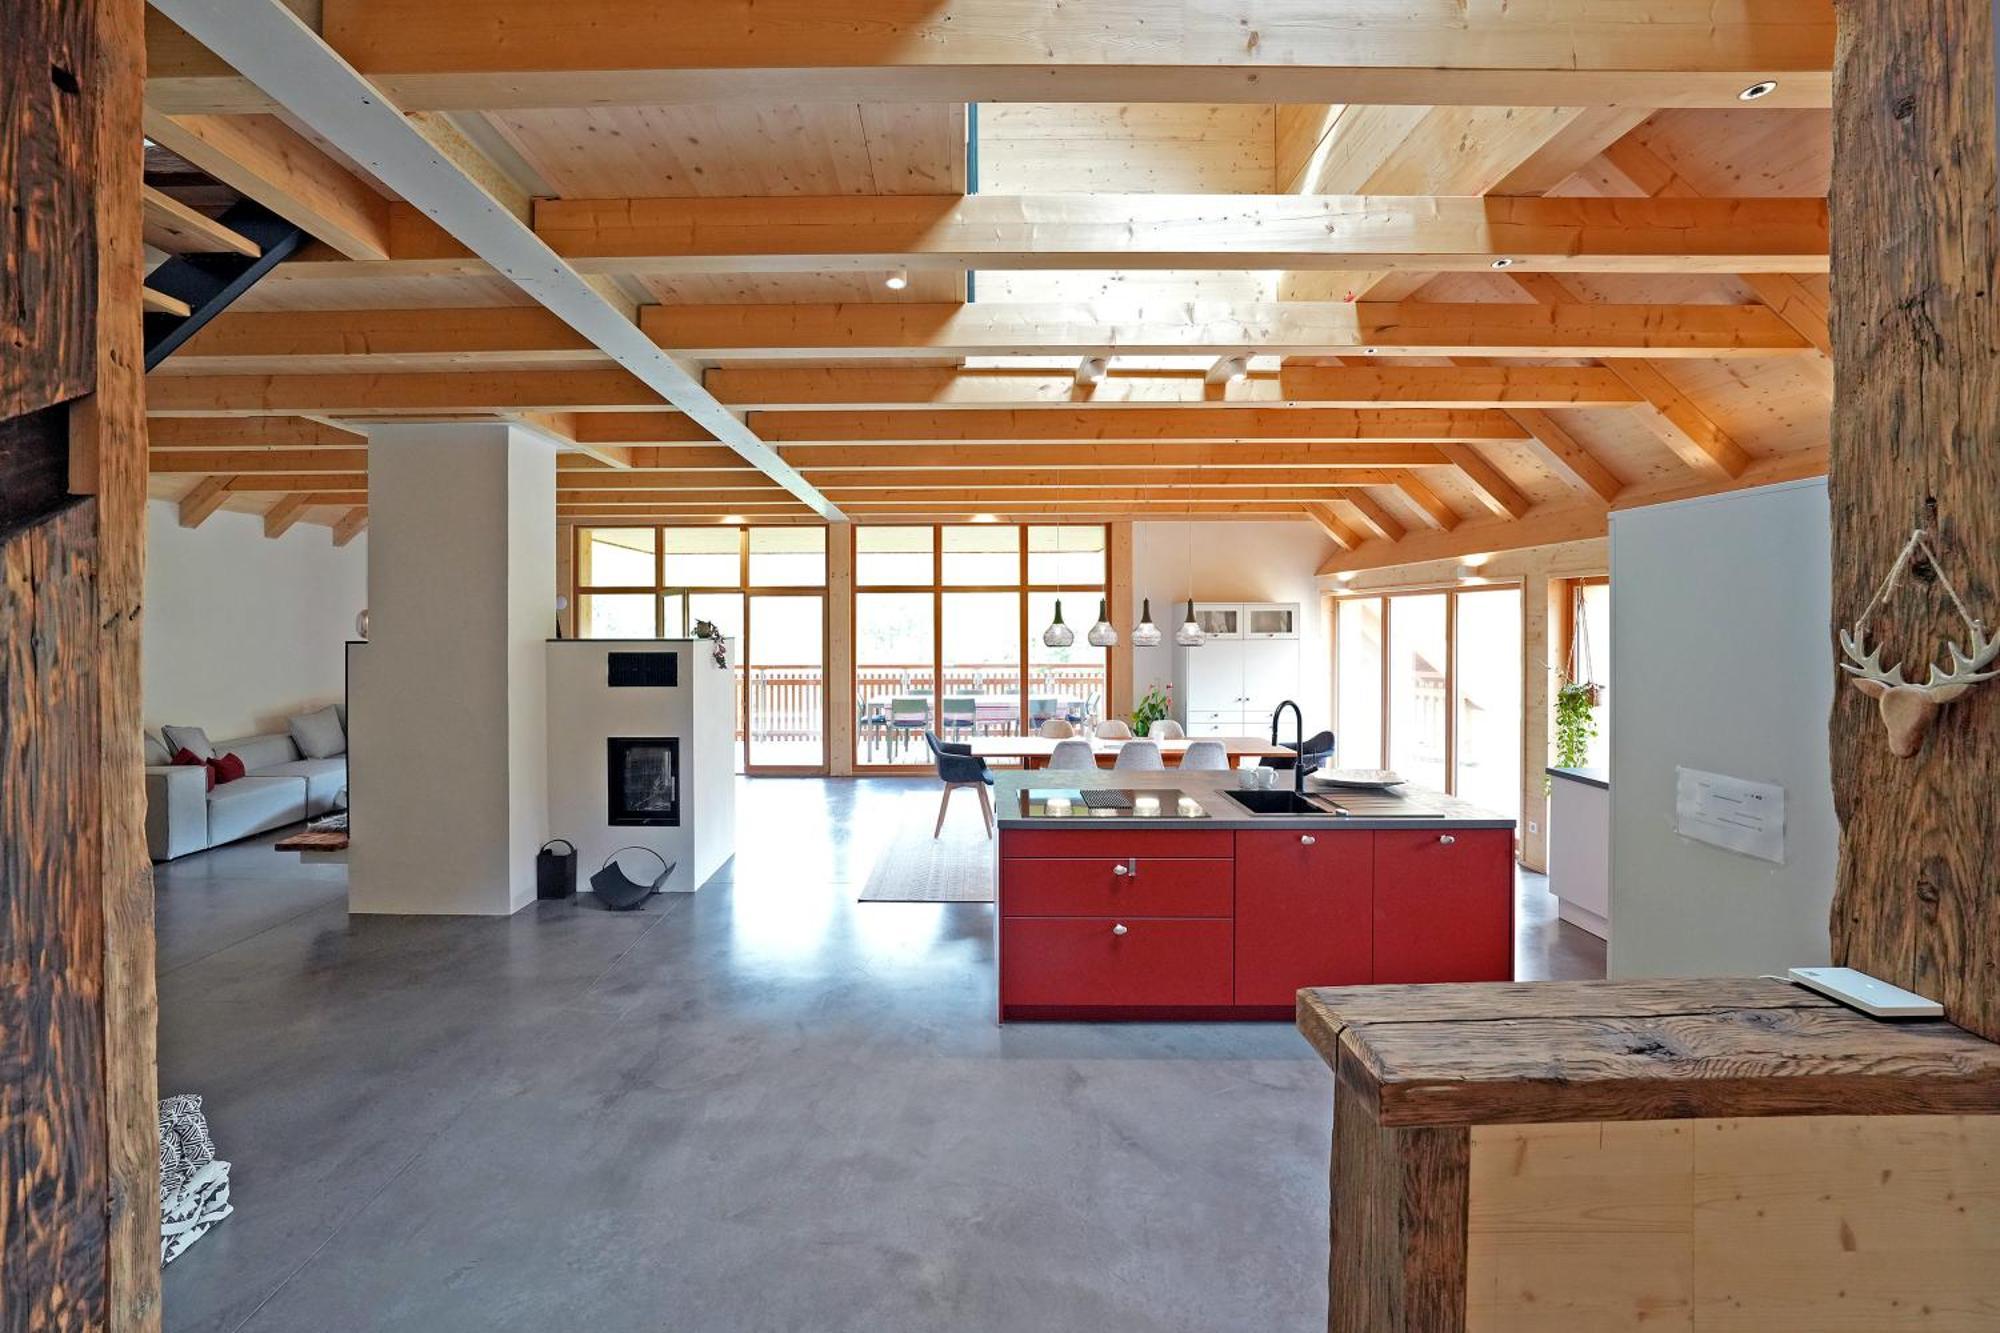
1732, 813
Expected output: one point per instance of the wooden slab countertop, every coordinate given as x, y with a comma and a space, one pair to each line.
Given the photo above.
1529, 1052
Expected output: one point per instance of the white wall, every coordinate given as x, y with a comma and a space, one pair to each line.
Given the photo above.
1248, 562
242, 631
1722, 660
449, 715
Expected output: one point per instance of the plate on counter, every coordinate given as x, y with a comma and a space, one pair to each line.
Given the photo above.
1357, 779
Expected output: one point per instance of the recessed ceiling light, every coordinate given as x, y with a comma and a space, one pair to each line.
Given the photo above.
898, 280
1092, 370
1758, 90
1343, 576
985, 518
735, 519
1503, 263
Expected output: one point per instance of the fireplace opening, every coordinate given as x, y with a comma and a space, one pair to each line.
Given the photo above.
645, 780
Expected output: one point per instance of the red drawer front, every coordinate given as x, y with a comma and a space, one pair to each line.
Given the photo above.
1150, 886
1117, 844
1083, 961
1303, 912
1444, 905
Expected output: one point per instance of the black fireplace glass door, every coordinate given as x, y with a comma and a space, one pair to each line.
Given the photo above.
645, 780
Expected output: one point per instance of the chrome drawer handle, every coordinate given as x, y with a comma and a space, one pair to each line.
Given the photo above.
1446, 839
1118, 929
1307, 840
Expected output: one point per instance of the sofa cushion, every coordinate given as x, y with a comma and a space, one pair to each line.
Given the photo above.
188, 738
252, 805
325, 779
186, 758
157, 754
318, 734
228, 768
262, 751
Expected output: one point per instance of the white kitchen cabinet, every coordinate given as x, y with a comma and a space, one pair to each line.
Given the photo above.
1219, 620
1229, 686
1271, 620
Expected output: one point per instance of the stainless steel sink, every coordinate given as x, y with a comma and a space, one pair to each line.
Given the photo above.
1259, 802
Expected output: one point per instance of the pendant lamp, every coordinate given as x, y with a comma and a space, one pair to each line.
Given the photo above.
1101, 635
1146, 634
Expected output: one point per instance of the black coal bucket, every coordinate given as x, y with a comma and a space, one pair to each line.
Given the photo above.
619, 892
555, 872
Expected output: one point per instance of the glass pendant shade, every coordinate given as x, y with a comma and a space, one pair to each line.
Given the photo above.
1058, 635
1101, 634
1189, 635
1146, 634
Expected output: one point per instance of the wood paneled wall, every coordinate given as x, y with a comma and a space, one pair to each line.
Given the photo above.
1916, 442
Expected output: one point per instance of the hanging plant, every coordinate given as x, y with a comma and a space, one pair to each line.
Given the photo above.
1576, 724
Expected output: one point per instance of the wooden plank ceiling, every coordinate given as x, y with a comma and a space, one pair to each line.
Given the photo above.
1436, 319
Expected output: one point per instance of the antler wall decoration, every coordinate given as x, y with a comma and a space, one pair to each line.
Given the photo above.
1907, 708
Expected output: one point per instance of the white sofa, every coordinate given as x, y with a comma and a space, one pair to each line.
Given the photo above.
278, 788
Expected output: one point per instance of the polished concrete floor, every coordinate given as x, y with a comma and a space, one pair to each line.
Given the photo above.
763, 1106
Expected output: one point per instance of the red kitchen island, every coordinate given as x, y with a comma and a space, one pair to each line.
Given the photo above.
1127, 895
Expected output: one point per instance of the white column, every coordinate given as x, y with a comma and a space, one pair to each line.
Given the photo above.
448, 705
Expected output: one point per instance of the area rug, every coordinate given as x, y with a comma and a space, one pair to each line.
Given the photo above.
956, 867
316, 840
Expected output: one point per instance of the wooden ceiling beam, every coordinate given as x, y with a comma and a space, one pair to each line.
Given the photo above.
1689, 431
368, 337
1642, 172
1499, 493
1377, 515
283, 513
1421, 233
1245, 425
350, 525
173, 227
1332, 456
946, 389
262, 158
208, 462
484, 54
159, 303
1287, 328
411, 393
1334, 526
996, 478
1429, 504
273, 432
203, 499
1567, 455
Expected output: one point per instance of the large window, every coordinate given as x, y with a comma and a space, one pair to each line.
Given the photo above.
948, 625
1429, 684
763, 588
1590, 658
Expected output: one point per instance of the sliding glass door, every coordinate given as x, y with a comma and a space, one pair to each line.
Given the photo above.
1430, 685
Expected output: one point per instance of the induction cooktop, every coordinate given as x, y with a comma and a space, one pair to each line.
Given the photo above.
1109, 803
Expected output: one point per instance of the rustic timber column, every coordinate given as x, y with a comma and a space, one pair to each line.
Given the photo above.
1916, 442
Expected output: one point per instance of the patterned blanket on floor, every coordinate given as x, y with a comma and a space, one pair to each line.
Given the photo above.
194, 1187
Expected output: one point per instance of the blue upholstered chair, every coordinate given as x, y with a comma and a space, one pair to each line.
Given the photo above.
958, 766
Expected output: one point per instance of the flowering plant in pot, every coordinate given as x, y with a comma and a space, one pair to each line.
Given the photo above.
1156, 703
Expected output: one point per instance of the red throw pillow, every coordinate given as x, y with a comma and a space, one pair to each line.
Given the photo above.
189, 759
227, 768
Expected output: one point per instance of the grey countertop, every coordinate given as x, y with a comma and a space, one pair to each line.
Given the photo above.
1208, 789
1596, 777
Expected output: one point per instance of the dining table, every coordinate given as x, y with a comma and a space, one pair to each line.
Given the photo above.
1034, 751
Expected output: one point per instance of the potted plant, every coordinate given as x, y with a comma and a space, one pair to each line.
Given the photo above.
1156, 703
706, 629
1576, 725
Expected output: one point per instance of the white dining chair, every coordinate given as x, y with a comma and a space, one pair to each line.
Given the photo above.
1140, 756
1072, 756
1206, 757
1166, 729
1111, 729
1055, 729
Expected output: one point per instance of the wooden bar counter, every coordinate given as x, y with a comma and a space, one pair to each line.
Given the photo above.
1666, 1155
